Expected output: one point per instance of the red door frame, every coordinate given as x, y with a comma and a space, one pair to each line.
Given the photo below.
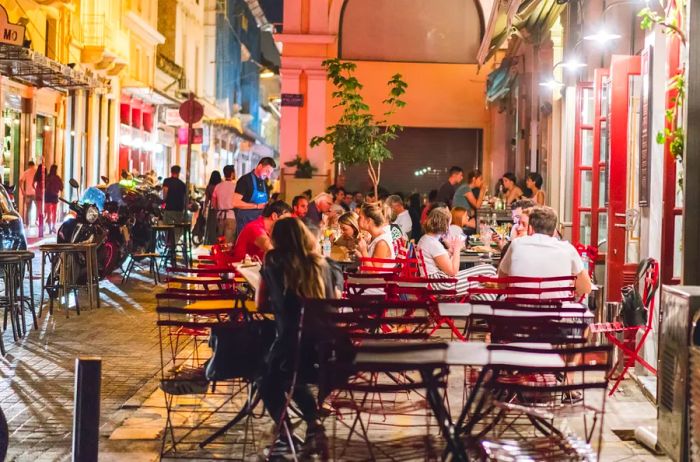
580, 127
621, 67
670, 211
599, 163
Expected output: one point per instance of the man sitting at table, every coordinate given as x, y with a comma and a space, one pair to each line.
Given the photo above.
254, 239
320, 205
541, 255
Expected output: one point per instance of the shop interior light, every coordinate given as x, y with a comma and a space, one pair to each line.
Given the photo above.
125, 140
602, 37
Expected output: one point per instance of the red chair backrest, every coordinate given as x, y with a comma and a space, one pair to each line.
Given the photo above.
524, 287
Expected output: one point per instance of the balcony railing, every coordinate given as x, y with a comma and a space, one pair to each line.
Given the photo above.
170, 67
100, 32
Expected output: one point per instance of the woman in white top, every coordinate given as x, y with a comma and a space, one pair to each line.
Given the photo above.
441, 262
460, 219
380, 245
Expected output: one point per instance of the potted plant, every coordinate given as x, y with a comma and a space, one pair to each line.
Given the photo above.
304, 169
357, 138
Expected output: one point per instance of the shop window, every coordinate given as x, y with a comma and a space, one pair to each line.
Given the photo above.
440, 31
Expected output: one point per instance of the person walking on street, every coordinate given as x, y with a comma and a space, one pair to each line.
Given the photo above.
39, 178
26, 187
252, 193
174, 192
53, 189
222, 202
210, 229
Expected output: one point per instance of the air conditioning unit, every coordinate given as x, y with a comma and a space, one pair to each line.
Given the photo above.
678, 393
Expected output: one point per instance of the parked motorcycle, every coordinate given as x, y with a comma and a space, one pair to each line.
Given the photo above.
91, 222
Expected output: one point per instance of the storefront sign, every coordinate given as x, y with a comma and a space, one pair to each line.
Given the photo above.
172, 118
292, 99
196, 136
10, 33
645, 127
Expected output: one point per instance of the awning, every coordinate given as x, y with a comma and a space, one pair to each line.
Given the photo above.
499, 81
530, 19
232, 123
29, 67
269, 53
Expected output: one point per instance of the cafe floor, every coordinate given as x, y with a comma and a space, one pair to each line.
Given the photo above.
37, 377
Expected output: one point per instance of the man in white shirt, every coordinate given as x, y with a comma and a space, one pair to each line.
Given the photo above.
222, 201
540, 254
403, 218
26, 186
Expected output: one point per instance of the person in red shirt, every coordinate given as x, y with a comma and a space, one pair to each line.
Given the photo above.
254, 239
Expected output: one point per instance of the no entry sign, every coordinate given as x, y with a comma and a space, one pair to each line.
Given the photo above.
191, 111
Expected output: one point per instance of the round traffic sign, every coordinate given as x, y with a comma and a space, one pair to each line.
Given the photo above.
191, 111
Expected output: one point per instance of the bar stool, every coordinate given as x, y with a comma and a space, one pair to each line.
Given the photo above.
164, 243
65, 274
138, 257
14, 264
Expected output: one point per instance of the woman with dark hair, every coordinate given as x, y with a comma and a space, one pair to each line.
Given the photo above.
432, 197
54, 186
512, 190
39, 180
533, 182
210, 232
293, 271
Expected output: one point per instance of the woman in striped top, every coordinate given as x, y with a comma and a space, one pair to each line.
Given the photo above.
441, 262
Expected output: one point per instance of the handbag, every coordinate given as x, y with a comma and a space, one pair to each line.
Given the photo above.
239, 349
633, 311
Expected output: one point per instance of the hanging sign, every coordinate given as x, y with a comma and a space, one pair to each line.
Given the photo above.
10, 33
173, 119
645, 127
196, 135
292, 99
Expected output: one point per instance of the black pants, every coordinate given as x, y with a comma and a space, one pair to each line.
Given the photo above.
275, 384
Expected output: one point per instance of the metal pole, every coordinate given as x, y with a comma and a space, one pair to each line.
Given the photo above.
86, 419
189, 162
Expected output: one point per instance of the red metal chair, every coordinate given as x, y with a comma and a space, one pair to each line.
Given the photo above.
650, 279
527, 288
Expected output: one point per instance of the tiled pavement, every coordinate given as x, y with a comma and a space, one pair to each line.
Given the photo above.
37, 384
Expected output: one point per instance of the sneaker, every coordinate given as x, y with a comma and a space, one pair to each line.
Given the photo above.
279, 450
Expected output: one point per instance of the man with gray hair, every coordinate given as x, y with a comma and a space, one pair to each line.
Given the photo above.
540, 254
402, 218
319, 205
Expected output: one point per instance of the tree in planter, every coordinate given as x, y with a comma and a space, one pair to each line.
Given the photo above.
358, 138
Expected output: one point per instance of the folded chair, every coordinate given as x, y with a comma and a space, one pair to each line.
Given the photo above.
648, 274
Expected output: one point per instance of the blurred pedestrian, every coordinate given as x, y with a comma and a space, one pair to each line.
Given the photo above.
39, 178
222, 201
53, 189
26, 187
210, 231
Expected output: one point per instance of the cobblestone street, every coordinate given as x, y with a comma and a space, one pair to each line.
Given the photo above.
38, 371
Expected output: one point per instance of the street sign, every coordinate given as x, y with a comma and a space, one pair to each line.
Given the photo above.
292, 99
191, 111
10, 33
173, 119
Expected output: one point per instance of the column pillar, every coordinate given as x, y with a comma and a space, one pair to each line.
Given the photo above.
290, 129
316, 117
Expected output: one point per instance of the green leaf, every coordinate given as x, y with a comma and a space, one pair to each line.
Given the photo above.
660, 138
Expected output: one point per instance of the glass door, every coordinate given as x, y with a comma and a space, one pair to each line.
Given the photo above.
620, 262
